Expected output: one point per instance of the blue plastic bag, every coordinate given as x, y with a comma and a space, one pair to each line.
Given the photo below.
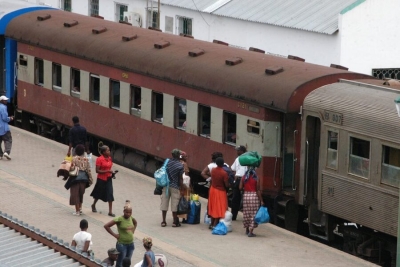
193, 216
220, 229
262, 215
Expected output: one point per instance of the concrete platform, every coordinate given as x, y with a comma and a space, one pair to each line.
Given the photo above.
31, 192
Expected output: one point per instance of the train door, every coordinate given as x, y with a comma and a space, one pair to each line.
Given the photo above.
319, 224
3, 66
290, 154
312, 145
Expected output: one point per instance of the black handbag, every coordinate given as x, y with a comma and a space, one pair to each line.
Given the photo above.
158, 190
183, 206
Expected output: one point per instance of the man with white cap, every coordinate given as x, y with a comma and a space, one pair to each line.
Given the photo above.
5, 134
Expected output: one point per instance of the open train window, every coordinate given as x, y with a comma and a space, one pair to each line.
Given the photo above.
331, 159
136, 100
57, 77
23, 60
180, 114
39, 71
94, 92
390, 166
114, 94
359, 157
75, 82
157, 107
229, 128
204, 121
253, 127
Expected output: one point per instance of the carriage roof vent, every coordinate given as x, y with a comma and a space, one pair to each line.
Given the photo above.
127, 38
196, 52
233, 61
296, 58
273, 70
70, 24
99, 30
256, 50
220, 42
186, 35
154, 29
97, 16
43, 17
339, 67
161, 44
125, 22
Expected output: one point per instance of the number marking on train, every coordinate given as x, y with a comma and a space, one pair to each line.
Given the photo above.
333, 117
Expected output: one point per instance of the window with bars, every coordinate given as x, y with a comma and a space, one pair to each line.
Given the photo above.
93, 7
39, 71
359, 157
152, 21
67, 5
120, 12
75, 82
393, 73
94, 88
184, 25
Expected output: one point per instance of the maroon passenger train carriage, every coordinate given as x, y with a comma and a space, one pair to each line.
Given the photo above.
146, 92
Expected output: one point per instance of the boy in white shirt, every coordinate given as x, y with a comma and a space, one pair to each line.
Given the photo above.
83, 240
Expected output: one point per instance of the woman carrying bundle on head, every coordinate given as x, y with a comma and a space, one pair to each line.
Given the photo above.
251, 199
126, 226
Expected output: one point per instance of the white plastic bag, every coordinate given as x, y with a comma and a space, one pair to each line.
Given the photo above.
186, 180
90, 159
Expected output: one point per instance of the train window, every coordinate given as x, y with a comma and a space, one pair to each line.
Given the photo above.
75, 82
39, 76
391, 166
253, 127
157, 107
114, 94
94, 88
56, 77
23, 60
136, 100
204, 121
359, 157
180, 114
331, 160
229, 128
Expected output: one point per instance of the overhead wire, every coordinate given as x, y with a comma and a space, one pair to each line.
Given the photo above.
200, 13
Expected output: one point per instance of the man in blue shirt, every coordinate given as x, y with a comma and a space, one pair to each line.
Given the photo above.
5, 134
77, 136
175, 175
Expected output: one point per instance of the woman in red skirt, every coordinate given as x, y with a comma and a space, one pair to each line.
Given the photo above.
217, 200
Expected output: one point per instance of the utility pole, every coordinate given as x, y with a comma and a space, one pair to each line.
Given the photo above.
158, 15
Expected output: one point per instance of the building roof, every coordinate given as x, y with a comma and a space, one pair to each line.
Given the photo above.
24, 245
320, 16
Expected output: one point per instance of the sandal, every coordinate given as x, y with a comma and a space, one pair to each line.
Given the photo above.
94, 208
176, 225
163, 224
111, 214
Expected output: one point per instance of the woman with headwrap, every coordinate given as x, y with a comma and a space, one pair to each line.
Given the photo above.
126, 226
251, 199
104, 189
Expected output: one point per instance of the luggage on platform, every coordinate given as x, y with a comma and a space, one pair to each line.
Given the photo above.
193, 217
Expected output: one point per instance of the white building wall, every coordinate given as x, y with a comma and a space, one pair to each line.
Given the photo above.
370, 37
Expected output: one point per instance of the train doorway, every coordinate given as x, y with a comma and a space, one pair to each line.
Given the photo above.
312, 145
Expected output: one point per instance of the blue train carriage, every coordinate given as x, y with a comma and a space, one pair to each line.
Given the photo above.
9, 10
350, 162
